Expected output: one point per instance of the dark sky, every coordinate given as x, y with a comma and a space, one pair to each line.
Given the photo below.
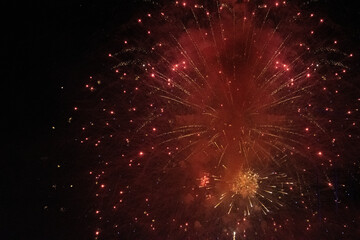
49, 44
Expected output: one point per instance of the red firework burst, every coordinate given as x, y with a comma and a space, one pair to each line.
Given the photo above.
221, 119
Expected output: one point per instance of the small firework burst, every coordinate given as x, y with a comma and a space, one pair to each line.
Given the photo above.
248, 192
246, 184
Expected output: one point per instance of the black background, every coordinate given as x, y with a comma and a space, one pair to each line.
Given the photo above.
49, 45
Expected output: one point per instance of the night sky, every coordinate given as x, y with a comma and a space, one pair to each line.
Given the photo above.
51, 48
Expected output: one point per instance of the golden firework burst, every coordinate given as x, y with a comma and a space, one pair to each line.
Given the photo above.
246, 184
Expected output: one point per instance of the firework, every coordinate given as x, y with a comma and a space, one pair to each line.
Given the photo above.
256, 192
229, 124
